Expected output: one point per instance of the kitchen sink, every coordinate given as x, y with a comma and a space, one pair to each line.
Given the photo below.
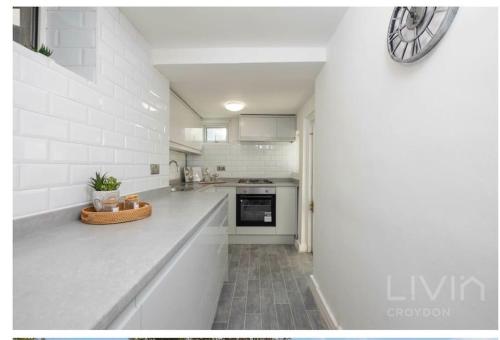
181, 188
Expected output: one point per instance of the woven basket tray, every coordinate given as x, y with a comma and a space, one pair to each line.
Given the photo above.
90, 216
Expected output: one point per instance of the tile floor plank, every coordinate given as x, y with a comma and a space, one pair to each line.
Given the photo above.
267, 288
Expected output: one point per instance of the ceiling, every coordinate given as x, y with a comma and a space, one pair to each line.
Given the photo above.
199, 27
279, 88
267, 87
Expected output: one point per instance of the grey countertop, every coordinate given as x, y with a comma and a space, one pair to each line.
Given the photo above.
233, 182
78, 276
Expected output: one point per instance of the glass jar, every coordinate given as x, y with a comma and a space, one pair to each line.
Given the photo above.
110, 205
132, 202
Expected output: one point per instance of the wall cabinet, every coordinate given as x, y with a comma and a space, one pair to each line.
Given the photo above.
184, 294
186, 128
264, 128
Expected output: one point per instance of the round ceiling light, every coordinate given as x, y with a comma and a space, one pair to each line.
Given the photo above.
234, 105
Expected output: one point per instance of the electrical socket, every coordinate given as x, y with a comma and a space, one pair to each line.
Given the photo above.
155, 169
221, 168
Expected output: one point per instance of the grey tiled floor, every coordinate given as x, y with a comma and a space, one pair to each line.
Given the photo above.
267, 289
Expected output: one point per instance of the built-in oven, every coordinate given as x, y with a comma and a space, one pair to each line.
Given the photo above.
255, 207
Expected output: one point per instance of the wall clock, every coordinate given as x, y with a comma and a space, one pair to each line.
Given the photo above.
414, 31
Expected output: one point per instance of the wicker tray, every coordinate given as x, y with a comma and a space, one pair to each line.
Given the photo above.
90, 216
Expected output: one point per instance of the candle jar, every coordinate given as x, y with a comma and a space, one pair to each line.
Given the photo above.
110, 205
132, 202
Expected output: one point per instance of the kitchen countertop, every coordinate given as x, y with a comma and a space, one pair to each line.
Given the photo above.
233, 182
79, 276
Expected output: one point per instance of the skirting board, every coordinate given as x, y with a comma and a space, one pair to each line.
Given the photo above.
301, 247
325, 311
261, 239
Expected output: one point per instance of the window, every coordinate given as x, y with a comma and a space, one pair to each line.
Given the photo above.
216, 134
25, 26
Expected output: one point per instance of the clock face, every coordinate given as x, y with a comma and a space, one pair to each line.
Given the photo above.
414, 31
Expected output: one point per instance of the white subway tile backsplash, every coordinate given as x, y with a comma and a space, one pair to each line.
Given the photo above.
110, 138
15, 177
249, 160
44, 78
124, 156
124, 127
68, 196
84, 134
144, 158
117, 171
30, 149
16, 68
35, 124
64, 19
68, 152
77, 38
89, 19
27, 202
68, 109
112, 106
89, 56
29, 97
80, 174
109, 71
84, 94
141, 132
68, 55
66, 128
101, 119
101, 155
42, 175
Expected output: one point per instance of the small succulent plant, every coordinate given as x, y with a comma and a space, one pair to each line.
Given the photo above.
104, 182
45, 50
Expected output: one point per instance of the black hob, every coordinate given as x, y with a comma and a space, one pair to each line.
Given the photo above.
255, 181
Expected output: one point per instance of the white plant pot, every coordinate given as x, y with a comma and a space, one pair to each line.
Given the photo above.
99, 196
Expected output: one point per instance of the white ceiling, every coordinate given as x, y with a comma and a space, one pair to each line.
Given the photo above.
195, 27
279, 88
266, 86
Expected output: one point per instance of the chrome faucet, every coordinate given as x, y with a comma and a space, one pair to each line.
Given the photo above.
176, 164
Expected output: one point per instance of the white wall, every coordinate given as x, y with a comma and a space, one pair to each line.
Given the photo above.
406, 173
66, 128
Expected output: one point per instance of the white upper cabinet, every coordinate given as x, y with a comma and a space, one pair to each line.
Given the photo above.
262, 128
286, 128
186, 128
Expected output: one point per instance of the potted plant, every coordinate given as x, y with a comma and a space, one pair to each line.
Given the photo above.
105, 189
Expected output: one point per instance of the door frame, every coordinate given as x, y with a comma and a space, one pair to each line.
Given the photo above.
309, 180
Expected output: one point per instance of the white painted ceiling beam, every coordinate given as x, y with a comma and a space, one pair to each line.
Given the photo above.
239, 55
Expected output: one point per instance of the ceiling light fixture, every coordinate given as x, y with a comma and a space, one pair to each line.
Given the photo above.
234, 105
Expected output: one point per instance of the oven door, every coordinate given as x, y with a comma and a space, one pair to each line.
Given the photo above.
256, 210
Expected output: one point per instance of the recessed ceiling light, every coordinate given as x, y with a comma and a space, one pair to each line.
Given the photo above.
234, 105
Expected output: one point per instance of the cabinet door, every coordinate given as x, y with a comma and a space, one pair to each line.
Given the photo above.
186, 129
286, 128
231, 216
286, 210
257, 128
184, 294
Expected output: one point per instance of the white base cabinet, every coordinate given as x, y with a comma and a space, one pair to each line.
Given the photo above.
184, 294
286, 210
231, 214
